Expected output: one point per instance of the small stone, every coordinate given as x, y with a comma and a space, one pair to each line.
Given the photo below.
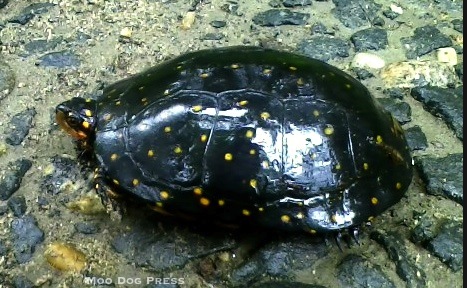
368, 60
447, 55
188, 20
126, 32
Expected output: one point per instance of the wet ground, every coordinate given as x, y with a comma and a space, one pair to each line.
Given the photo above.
54, 231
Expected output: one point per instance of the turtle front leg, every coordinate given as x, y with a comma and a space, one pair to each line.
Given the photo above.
111, 199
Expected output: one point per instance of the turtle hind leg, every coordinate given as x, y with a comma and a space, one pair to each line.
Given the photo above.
111, 199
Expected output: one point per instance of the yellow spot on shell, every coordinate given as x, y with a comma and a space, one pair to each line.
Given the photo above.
177, 150
221, 202
338, 166
300, 215
118, 103
329, 130
243, 103
374, 200
246, 212
398, 185
197, 108
253, 183
88, 100
234, 66
159, 204
334, 218
198, 191
65, 257
204, 138
313, 231
88, 112
249, 134
300, 82
204, 201
116, 182
204, 75
113, 157
265, 115
85, 124
167, 129
260, 209
293, 68
144, 99
252, 152
135, 182
348, 86
365, 166
379, 139
315, 113
267, 71
164, 195
141, 88
228, 157
150, 153
285, 218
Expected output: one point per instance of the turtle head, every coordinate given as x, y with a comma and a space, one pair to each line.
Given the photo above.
77, 117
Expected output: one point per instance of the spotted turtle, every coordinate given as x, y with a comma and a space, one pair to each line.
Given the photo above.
245, 135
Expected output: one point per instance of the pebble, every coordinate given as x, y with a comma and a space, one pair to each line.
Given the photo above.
414, 73
447, 55
65, 257
26, 235
368, 60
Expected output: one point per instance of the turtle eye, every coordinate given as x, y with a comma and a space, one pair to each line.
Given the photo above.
73, 121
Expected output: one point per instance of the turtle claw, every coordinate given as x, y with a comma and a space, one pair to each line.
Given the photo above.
110, 199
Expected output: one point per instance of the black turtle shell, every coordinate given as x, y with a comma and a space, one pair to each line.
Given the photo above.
249, 134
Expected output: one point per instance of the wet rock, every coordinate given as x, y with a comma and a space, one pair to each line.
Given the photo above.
396, 93
25, 237
86, 228
61, 59
30, 11
424, 40
11, 177
355, 271
278, 17
17, 205
324, 48
442, 176
370, 39
416, 139
388, 13
7, 79
356, 13
460, 71
296, 3
362, 74
19, 125
3, 248
400, 110
218, 23
279, 260
445, 102
320, 28
444, 238
406, 267
212, 36
42, 45
458, 25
